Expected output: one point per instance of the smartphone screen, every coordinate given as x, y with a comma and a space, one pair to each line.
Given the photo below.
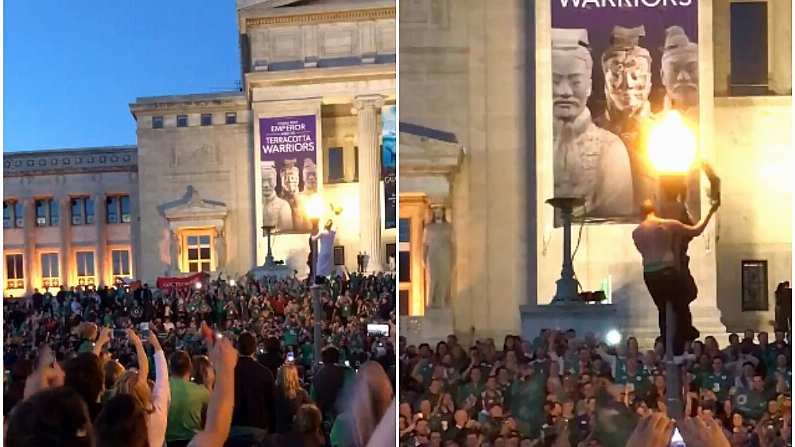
290, 356
144, 330
378, 329
676, 439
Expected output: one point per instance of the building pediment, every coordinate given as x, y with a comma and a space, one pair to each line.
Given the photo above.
193, 210
425, 151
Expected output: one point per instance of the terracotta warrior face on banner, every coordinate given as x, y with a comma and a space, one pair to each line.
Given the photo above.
627, 70
290, 179
571, 79
680, 69
310, 176
268, 182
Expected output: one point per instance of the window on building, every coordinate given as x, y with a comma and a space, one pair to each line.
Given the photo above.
182, 120
12, 214
124, 203
55, 208
49, 270
207, 119
8, 214
404, 254
748, 43
19, 214
118, 209
231, 117
198, 252
157, 122
82, 210
403, 299
85, 267
336, 167
15, 275
112, 209
404, 266
46, 212
121, 262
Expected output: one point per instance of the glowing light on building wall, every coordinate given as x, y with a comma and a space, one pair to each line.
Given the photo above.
672, 145
315, 207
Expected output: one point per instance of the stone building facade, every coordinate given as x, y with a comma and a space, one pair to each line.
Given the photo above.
477, 126
190, 182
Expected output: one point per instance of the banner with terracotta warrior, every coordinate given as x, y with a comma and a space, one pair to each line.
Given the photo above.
288, 164
618, 66
389, 164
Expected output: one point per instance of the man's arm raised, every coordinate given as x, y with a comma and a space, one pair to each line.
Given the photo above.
697, 229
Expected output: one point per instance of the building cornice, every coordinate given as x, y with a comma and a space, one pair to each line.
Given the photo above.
70, 161
354, 15
319, 76
188, 103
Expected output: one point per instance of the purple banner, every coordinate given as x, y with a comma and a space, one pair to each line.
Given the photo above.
617, 67
288, 163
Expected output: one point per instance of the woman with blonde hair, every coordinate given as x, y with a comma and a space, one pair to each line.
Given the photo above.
289, 397
154, 401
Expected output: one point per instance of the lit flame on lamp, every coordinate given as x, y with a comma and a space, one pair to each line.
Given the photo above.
314, 207
672, 145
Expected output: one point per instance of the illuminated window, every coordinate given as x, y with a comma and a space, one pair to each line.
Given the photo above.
118, 209
12, 214
46, 212
198, 252
15, 275
121, 262
85, 267
82, 210
49, 270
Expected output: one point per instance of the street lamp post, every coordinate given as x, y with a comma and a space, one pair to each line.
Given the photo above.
267, 231
314, 210
672, 153
566, 287
314, 289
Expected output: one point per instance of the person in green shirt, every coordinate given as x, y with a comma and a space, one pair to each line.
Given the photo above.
718, 381
188, 401
527, 399
780, 376
752, 403
636, 374
88, 333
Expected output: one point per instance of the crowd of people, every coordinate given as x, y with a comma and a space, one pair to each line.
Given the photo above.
219, 362
565, 390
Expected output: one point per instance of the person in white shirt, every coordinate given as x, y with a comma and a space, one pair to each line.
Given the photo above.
154, 401
325, 250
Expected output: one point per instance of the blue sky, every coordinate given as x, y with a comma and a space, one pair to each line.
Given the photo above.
71, 68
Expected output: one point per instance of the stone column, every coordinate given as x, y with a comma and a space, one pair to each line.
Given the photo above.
66, 238
101, 219
29, 259
135, 228
369, 179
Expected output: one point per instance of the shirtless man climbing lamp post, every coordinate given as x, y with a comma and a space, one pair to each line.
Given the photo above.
662, 243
